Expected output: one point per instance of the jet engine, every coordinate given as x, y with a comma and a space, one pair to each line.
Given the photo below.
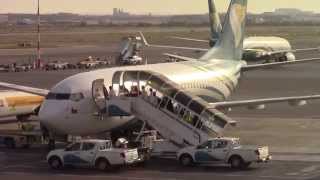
290, 56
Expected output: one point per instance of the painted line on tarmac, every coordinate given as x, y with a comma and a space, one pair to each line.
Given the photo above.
303, 158
307, 171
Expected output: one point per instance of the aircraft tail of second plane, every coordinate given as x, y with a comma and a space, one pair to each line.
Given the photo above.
230, 43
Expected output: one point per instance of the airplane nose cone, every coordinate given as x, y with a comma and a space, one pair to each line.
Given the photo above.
51, 115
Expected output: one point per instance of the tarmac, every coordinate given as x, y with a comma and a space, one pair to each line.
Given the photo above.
291, 132
31, 164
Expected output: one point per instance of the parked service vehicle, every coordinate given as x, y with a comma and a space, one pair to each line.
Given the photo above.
99, 154
22, 67
57, 65
223, 151
87, 64
91, 63
24, 137
4, 68
132, 60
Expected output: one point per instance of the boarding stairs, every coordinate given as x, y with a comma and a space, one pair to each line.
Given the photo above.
179, 117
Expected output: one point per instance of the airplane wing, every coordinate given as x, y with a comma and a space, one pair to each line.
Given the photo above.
268, 65
171, 47
179, 57
189, 39
40, 92
260, 103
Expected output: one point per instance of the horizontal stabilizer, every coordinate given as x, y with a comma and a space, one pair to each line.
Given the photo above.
268, 65
36, 91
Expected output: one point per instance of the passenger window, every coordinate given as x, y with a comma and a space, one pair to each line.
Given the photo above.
105, 146
74, 147
87, 146
206, 145
220, 144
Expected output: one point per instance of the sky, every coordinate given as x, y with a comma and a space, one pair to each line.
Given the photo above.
147, 6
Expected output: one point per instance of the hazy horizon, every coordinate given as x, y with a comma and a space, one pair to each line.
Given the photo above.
159, 7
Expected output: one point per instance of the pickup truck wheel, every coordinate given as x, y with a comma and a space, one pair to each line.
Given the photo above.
186, 160
55, 163
103, 165
236, 162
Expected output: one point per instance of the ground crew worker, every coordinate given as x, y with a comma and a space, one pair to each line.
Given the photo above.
111, 92
105, 92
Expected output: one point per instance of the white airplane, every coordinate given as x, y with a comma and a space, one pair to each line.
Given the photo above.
70, 106
19, 104
270, 48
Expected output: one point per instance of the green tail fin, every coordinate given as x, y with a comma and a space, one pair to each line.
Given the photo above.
215, 24
230, 44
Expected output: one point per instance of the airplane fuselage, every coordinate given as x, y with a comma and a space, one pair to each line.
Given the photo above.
267, 43
211, 80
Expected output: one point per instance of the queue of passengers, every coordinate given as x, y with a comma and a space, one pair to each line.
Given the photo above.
134, 92
153, 99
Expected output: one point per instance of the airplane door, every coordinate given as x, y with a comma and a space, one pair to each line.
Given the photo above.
98, 95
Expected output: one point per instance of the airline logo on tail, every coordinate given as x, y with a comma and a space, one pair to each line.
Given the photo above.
237, 17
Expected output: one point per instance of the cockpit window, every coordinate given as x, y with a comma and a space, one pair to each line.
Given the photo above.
58, 96
62, 96
65, 96
51, 96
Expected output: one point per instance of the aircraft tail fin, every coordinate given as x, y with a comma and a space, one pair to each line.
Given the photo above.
215, 23
230, 43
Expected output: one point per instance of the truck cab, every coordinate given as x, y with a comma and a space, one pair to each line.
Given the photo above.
92, 153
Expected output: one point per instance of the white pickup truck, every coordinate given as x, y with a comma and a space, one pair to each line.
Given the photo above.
223, 151
92, 153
